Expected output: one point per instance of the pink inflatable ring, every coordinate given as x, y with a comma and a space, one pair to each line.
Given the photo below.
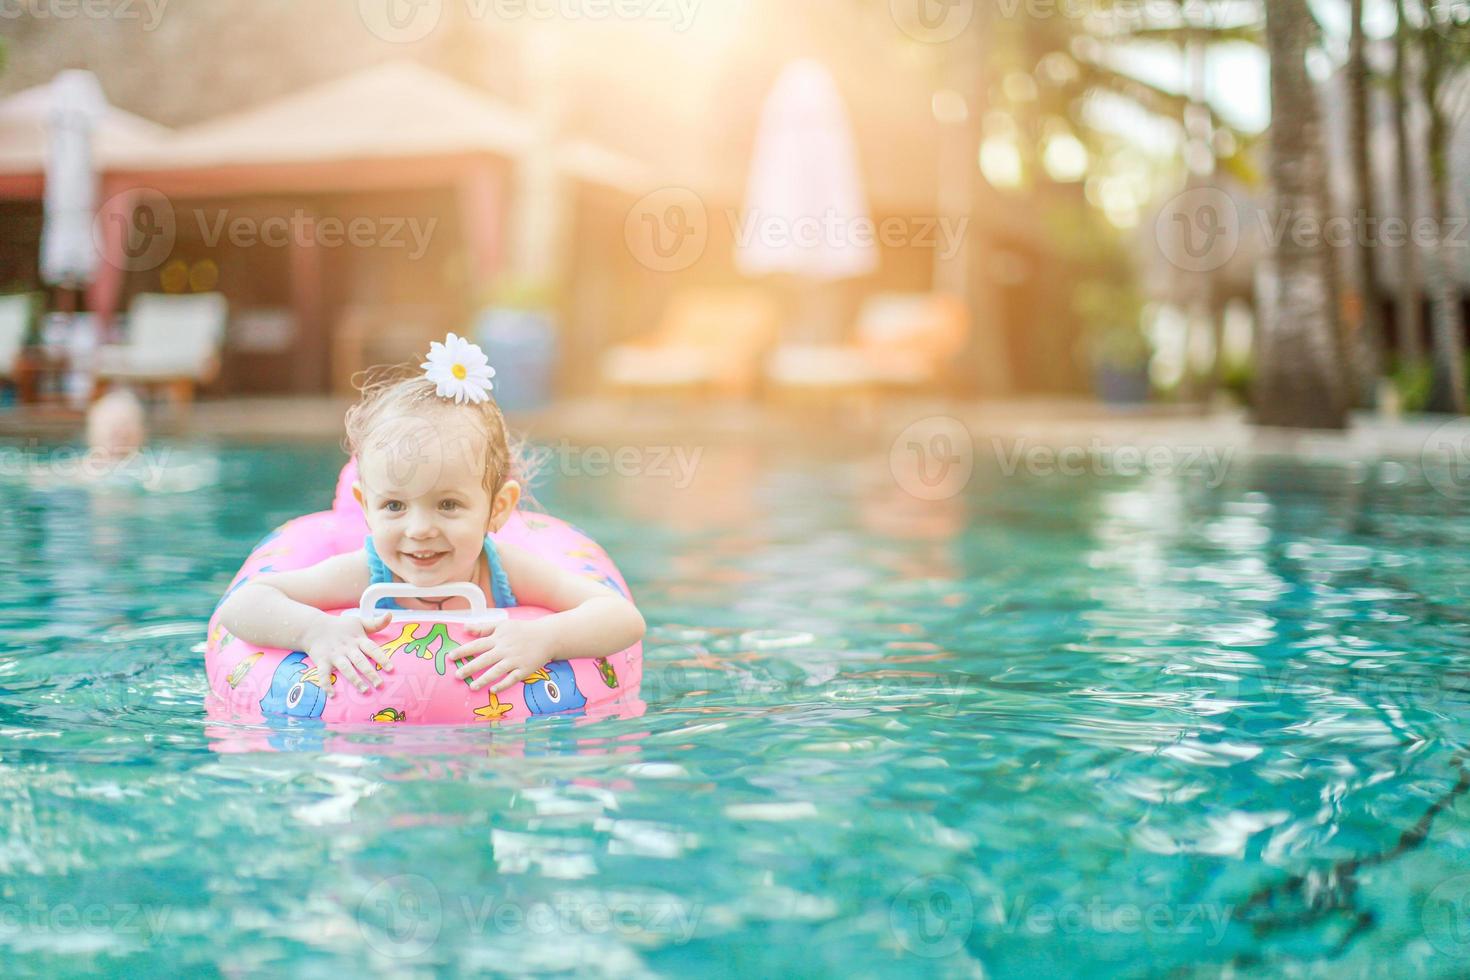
251, 683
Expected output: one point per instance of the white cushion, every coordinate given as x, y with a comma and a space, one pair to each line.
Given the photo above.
168, 337
15, 316
654, 366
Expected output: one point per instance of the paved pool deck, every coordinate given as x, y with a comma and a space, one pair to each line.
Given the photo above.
1007, 428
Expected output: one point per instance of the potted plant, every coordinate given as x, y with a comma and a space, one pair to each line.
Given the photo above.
1117, 350
517, 328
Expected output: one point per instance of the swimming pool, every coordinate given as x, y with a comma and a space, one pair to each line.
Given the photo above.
1087, 724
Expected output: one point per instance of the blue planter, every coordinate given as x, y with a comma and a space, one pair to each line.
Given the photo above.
1121, 386
522, 348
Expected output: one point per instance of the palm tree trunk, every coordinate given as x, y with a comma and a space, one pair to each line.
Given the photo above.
1366, 345
1447, 322
1299, 365
1410, 308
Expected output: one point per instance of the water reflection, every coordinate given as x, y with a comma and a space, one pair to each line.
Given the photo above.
880, 735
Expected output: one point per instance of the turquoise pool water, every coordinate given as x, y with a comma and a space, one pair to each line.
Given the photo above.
1092, 725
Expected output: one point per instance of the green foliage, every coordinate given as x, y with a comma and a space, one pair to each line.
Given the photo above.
1414, 382
522, 294
1237, 377
1111, 310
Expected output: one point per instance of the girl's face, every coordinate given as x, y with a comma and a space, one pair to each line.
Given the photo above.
421, 485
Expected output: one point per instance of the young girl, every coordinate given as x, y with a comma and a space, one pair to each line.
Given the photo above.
434, 481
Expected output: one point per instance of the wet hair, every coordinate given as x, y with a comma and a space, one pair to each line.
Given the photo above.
114, 411
396, 393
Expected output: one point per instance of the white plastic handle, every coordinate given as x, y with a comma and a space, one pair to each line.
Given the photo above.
477, 613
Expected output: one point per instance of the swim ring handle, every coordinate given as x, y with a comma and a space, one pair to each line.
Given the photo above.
477, 613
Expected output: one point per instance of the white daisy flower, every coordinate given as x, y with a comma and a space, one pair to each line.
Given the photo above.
460, 369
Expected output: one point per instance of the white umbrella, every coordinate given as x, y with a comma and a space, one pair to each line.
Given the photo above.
68, 257
805, 213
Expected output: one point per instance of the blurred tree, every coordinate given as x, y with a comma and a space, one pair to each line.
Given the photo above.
1409, 309
1365, 349
1299, 360
1442, 96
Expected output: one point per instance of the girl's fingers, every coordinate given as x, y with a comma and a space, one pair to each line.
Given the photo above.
482, 629
480, 665
376, 622
472, 649
347, 671
374, 653
509, 679
365, 670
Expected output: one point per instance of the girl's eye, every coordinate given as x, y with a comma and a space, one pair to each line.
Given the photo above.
394, 506
450, 504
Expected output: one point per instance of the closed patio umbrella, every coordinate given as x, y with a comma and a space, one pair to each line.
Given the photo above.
805, 214
68, 256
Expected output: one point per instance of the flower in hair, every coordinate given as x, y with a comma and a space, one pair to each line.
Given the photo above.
460, 370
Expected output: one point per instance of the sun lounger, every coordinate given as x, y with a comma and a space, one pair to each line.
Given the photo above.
904, 341
708, 340
15, 322
172, 341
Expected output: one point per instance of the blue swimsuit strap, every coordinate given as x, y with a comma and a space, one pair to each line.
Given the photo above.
500, 590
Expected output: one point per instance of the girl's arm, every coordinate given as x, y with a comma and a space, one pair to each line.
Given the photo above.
284, 610
588, 620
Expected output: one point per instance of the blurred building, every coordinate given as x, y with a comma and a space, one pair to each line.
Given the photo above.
525, 144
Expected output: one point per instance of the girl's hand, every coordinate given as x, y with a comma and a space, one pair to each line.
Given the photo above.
341, 643
514, 648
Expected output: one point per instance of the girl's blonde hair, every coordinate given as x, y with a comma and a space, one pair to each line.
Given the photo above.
389, 394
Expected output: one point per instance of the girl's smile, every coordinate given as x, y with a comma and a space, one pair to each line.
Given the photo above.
428, 520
